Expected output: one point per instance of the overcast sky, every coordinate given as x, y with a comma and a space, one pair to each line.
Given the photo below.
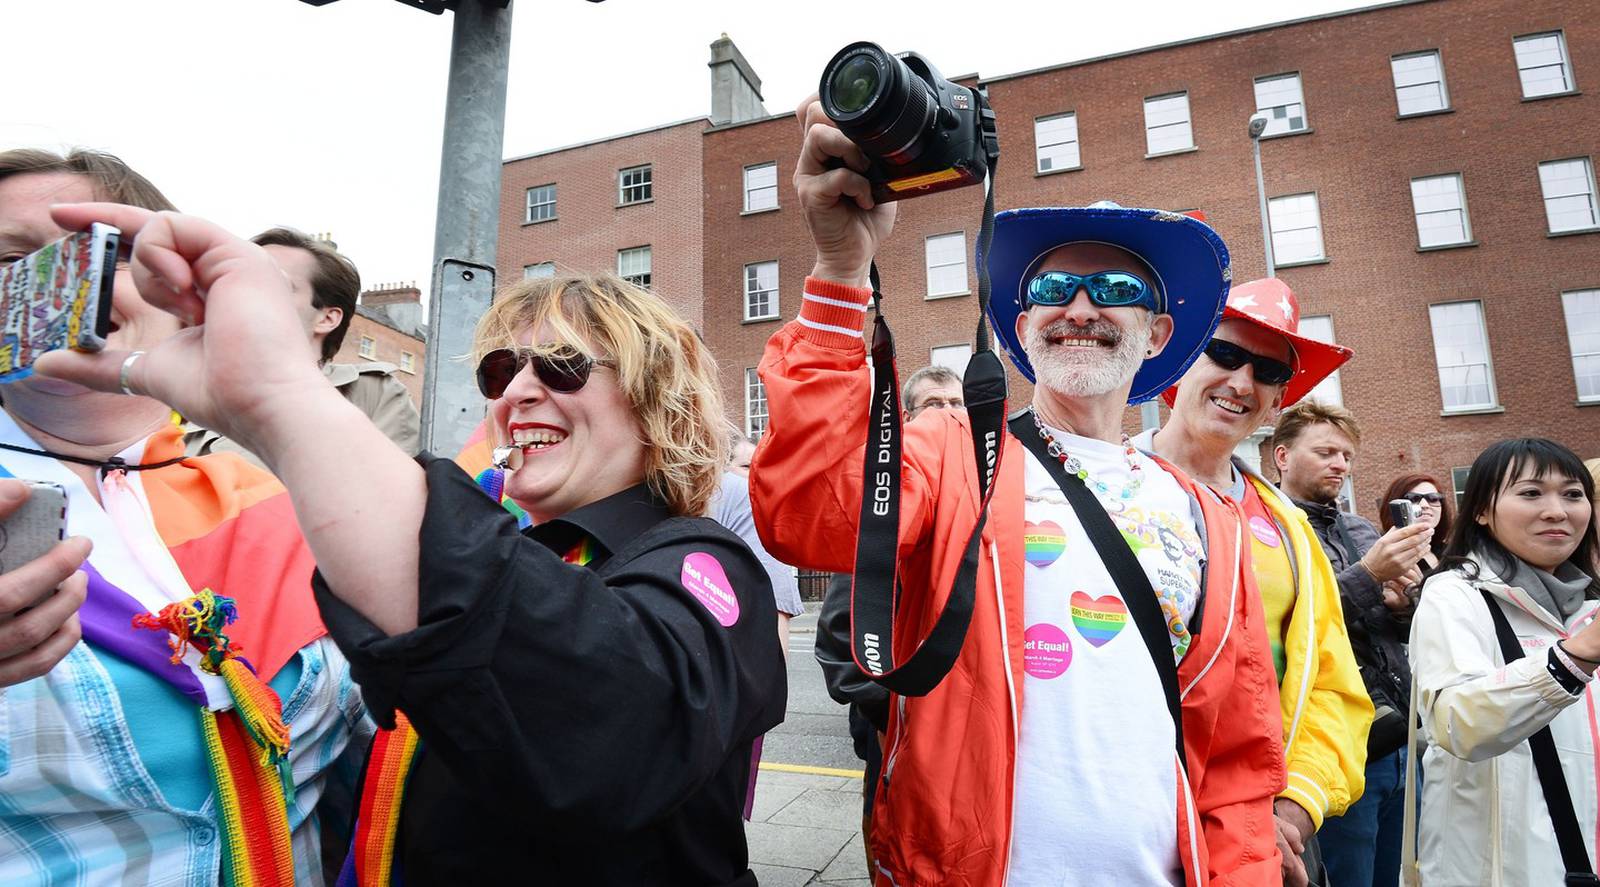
272, 112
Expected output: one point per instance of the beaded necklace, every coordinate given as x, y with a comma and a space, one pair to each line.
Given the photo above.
1075, 467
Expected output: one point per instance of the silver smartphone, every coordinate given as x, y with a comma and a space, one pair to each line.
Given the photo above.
34, 528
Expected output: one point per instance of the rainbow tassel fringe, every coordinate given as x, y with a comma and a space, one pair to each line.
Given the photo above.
247, 746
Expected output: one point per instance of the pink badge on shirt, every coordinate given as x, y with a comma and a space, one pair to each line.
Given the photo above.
704, 578
1264, 531
1046, 651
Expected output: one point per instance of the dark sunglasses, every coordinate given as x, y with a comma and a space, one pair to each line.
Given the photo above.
1230, 357
1419, 498
564, 372
1107, 289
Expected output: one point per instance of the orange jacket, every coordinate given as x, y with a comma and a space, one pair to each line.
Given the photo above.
943, 810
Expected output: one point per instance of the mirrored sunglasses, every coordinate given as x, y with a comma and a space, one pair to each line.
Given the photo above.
1107, 289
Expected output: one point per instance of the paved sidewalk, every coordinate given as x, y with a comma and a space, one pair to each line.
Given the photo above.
806, 826
806, 829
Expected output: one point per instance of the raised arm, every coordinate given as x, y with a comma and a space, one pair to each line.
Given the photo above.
246, 368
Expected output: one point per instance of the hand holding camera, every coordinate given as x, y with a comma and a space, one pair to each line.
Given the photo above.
846, 224
883, 128
1397, 551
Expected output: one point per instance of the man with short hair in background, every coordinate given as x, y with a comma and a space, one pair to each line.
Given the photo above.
932, 387
329, 285
1314, 446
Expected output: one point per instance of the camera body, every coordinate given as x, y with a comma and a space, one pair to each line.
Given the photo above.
1403, 512
921, 133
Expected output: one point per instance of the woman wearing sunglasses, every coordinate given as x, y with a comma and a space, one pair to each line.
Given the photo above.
1433, 510
1504, 645
573, 704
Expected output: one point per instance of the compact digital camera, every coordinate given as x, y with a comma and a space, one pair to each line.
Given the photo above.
1403, 512
921, 133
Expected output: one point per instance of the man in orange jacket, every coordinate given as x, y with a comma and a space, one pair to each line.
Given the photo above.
1048, 754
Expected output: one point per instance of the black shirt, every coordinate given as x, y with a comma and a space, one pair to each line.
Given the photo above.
579, 724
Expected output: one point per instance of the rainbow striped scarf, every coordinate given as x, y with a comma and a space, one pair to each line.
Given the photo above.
247, 745
372, 861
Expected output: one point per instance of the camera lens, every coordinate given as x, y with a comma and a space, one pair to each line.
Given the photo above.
878, 102
855, 84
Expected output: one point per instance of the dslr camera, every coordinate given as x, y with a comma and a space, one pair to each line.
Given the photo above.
921, 133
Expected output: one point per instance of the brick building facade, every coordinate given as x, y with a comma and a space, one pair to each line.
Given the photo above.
1431, 170
388, 328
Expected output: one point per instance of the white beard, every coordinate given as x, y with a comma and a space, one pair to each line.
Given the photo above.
1086, 372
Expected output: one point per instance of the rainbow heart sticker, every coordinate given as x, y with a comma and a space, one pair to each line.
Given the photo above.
1098, 619
1043, 542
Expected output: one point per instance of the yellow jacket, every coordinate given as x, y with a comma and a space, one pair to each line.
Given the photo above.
1326, 710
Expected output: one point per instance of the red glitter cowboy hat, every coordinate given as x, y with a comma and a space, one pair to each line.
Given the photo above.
1271, 305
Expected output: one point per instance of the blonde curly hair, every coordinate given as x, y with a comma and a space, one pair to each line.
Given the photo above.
664, 370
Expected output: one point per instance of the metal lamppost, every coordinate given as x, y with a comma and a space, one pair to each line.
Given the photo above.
1258, 125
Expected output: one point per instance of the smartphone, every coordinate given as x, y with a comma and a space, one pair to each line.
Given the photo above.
1402, 512
34, 528
58, 296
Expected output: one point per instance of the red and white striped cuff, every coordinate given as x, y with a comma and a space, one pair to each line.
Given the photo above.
830, 310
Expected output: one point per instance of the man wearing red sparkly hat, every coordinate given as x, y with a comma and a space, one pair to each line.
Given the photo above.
1255, 364
1107, 720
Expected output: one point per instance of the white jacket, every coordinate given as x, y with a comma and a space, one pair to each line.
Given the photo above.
1483, 819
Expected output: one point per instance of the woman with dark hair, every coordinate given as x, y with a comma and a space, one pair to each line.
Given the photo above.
1517, 577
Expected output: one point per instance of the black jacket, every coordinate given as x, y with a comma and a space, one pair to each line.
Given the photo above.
847, 683
1377, 635
579, 725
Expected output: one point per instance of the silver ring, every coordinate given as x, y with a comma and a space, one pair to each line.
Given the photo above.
127, 366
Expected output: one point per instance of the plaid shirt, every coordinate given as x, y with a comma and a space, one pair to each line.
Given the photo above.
78, 807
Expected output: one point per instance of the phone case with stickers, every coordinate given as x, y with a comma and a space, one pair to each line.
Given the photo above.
58, 296
34, 528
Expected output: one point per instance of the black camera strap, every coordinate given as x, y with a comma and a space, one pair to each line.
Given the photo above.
875, 592
1546, 763
1131, 580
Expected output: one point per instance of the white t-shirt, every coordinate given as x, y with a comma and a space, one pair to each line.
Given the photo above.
1096, 783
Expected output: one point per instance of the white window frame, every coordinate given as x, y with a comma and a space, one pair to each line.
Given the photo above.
368, 348
1181, 130
751, 193
1286, 118
534, 204
940, 355
1433, 207
1458, 484
1519, 48
755, 404
538, 270
1583, 350
1420, 87
634, 275
408, 362
642, 187
1277, 229
753, 292
1440, 357
1330, 389
930, 266
1041, 154
1586, 181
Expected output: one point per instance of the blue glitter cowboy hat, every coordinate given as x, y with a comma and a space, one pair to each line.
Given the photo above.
1188, 257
